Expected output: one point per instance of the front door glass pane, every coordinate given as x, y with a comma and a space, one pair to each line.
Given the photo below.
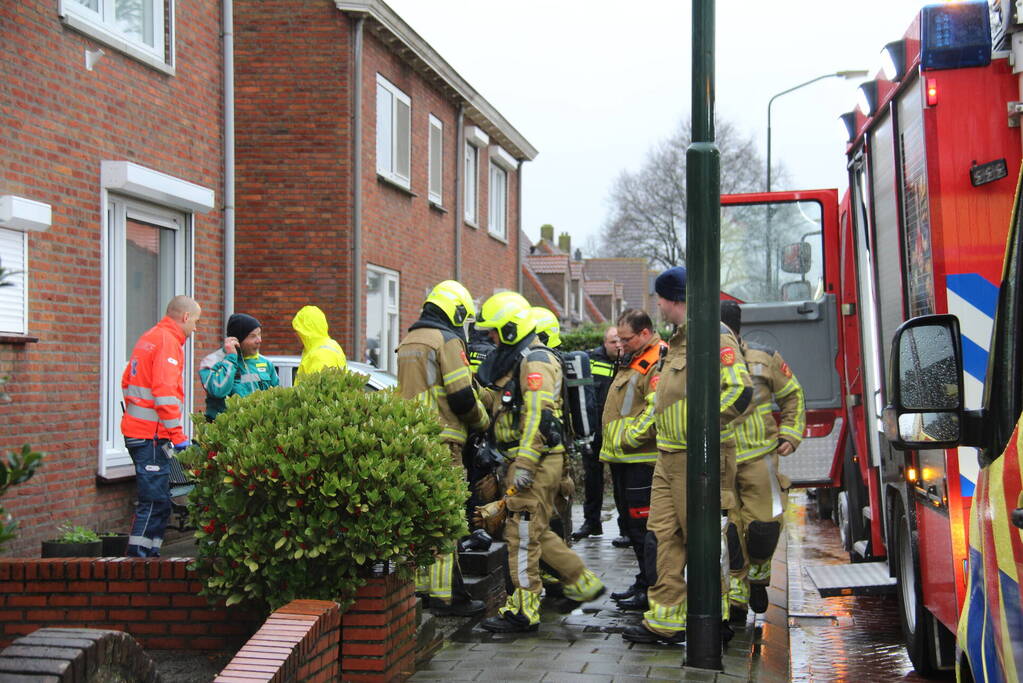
149, 278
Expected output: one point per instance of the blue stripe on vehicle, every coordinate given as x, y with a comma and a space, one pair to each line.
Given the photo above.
966, 487
1013, 640
974, 359
976, 290
977, 619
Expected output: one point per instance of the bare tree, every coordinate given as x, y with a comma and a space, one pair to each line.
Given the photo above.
648, 207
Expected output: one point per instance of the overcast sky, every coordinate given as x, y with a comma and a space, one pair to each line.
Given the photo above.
594, 84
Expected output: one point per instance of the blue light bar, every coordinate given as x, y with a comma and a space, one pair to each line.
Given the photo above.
955, 35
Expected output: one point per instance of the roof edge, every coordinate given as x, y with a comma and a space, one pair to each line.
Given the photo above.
397, 26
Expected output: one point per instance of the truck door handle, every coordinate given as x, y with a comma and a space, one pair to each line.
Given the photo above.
805, 308
1017, 518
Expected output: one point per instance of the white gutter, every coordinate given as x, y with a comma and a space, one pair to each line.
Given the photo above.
228, 159
357, 296
459, 210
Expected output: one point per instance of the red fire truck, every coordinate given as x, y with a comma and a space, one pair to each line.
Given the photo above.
933, 155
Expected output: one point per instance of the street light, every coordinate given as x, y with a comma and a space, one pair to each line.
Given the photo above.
848, 75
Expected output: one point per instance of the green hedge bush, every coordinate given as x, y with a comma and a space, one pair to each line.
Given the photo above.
300, 491
582, 338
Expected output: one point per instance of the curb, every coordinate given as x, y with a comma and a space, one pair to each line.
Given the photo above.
771, 648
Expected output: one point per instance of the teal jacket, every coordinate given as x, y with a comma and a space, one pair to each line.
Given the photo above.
225, 374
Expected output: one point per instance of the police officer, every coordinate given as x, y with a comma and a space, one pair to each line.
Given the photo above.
759, 486
602, 366
665, 620
480, 346
523, 380
630, 437
433, 369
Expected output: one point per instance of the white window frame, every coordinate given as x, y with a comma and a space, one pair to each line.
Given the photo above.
130, 191
435, 166
497, 202
387, 146
17, 293
391, 335
472, 184
101, 25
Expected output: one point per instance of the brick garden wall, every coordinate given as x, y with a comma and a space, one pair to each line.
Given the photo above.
57, 122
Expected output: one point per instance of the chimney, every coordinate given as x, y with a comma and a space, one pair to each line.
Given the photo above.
565, 242
547, 232
578, 254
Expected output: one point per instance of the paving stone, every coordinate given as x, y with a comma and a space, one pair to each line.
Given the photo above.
562, 677
616, 669
447, 675
564, 663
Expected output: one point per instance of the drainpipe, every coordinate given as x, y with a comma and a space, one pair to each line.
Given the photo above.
459, 190
518, 227
357, 285
228, 159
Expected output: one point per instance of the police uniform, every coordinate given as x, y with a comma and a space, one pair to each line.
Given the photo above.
759, 486
630, 443
667, 597
602, 369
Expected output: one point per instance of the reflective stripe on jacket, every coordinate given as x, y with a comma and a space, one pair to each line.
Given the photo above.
319, 350
225, 374
433, 368
154, 393
772, 381
629, 432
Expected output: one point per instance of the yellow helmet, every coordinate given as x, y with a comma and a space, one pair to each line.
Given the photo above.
509, 313
546, 326
454, 299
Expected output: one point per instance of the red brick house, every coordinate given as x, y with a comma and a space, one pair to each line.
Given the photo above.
368, 171
111, 159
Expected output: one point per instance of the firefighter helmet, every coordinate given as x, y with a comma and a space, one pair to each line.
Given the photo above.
508, 313
547, 327
454, 299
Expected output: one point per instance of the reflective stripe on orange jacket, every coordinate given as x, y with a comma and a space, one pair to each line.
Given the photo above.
154, 392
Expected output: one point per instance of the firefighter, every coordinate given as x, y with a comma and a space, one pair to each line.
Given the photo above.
479, 346
665, 620
433, 369
523, 380
630, 437
154, 398
759, 487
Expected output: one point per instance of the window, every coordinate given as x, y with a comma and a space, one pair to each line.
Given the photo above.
382, 298
148, 257
13, 296
436, 161
497, 215
472, 182
393, 132
136, 27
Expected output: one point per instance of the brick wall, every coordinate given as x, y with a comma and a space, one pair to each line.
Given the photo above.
379, 632
57, 122
293, 185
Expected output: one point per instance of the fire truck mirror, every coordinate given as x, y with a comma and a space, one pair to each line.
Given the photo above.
929, 427
800, 290
795, 258
928, 375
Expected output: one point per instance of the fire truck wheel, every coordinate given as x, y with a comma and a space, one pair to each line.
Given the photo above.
825, 499
914, 617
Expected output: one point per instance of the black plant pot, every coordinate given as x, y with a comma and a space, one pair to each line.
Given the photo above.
60, 549
115, 545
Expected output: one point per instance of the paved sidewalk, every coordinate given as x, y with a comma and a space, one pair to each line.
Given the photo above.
586, 645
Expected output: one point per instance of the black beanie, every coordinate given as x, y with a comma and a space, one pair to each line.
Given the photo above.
671, 284
240, 326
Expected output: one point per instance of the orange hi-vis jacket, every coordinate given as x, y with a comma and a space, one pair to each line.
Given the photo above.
154, 392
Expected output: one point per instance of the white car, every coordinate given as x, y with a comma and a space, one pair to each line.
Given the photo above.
376, 379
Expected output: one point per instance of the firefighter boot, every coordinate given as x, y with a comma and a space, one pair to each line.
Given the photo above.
758, 597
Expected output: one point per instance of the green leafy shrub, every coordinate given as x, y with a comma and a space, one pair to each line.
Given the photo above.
15, 468
300, 491
582, 338
75, 534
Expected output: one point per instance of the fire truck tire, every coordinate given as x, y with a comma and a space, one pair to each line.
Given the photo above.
917, 623
825, 500
849, 508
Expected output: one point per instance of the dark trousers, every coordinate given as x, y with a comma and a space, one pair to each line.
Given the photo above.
593, 471
632, 487
617, 486
153, 508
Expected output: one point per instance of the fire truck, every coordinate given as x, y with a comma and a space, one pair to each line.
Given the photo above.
933, 155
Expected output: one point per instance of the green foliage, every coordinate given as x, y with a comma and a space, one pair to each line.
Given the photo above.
582, 338
5, 275
300, 491
76, 534
15, 468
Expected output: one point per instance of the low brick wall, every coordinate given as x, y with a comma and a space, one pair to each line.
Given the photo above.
154, 600
378, 632
70, 655
298, 642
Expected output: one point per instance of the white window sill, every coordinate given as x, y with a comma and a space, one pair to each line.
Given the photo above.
117, 42
495, 236
472, 224
397, 185
437, 206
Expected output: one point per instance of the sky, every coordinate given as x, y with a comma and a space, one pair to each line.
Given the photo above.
594, 85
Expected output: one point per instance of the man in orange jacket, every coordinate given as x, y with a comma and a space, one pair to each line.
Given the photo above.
154, 397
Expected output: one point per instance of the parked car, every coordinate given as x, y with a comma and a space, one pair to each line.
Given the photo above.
376, 379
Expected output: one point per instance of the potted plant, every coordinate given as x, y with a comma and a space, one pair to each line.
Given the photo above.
74, 541
115, 543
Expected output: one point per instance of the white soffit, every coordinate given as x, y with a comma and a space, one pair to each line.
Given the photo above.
145, 183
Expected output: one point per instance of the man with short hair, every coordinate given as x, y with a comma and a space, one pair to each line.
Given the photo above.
603, 360
154, 397
630, 438
237, 368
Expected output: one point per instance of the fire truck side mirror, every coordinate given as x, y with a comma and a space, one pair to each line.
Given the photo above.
926, 385
796, 258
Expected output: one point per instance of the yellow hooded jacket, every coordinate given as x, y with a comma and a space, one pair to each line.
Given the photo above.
320, 351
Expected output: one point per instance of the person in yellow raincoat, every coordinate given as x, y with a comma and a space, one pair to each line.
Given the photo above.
319, 350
